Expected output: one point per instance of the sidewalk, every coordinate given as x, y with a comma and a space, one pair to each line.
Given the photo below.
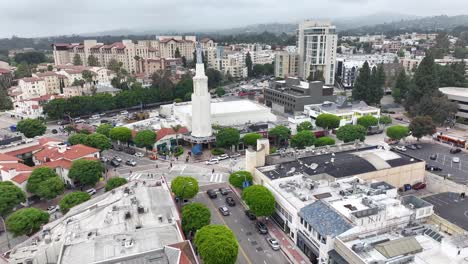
287, 246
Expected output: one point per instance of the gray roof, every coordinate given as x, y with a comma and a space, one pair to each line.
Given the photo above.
325, 220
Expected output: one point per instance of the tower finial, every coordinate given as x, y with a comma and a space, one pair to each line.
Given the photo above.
199, 53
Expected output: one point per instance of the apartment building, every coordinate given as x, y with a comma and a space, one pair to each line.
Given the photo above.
286, 64
32, 87
317, 42
31, 107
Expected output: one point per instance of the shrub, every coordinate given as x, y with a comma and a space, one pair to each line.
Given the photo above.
217, 151
324, 141
238, 177
178, 151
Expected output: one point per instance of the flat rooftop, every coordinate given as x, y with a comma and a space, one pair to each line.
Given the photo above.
224, 107
451, 206
338, 164
456, 91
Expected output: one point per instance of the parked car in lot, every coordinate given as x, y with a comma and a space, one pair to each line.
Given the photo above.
411, 146
223, 157
455, 159
230, 201
273, 242
131, 163
250, 215
433, 157
455, 150
139, 155
53, 208
212, 161
432, 168
211, 193
261, 227
418, 146
400, 148
91, 191
224, 210
224, 191
419, 186
104, 159
117, 158
114, 163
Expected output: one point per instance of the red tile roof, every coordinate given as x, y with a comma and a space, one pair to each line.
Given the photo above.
22, 177
5, 157
31, 79
2, 71
71, 153
169, 131
46, 74
205, 40
17, 166
62, 163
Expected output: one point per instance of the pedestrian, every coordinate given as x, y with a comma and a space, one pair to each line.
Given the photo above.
170, 165
157, 166
177, 158
130, 172
212, 171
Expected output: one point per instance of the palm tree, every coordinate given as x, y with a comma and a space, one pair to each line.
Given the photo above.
176, 129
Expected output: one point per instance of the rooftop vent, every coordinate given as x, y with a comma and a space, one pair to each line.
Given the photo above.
141, 209
128, 215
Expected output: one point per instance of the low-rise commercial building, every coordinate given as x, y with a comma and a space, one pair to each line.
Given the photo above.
292, 94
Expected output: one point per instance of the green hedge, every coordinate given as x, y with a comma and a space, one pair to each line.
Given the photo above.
179, 151
217, 151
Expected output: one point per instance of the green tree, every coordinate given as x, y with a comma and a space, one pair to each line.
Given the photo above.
31, 127
145, 138
98, 141
114, 65
259, 199
350, 133
78, 138
250, 139
397, 132
104, 129
280, 133
115, 182
93, 61
177, 129
33, 57
385, 120
87, 172
122, 134
184, 187
249, 64
425, 82
177, 53
438, 107
303, 139
184, 61
23, 70
214, 78
10, 197
216, 244
306, 125
362, 89
227, 137
220, 91
367, 121
460, 53
324, 141
5, 101
237, 178
26, 221
327, 121
194, 217
77, 60
73, 199
45, 183
401, 88
421, 126
378, 84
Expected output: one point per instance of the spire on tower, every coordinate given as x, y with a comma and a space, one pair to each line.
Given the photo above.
199, 54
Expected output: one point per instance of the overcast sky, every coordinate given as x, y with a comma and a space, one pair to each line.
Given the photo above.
58, 17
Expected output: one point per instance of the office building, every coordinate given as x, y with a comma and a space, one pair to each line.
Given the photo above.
317, 43
458, 95
290, 95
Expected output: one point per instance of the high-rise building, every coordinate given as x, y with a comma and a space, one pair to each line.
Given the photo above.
316, 43
286, 64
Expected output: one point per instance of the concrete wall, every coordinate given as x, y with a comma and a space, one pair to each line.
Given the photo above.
398, 176
437, 184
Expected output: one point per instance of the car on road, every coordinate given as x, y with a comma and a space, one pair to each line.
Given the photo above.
63, 122
399, 118
117, 158
261, 227
419, 186
230, 201
91, 191
79, 121
130, 151
211, 193
224, 191
418, 146
455, 159
432, 168
433, 157
411, 146
94, 117
224, 210
131, 163
455, 150
250, 215
114, 163
223, 157
124, 112
104, 159
235, 155
53, 208
273, 242
212, 161
139, 155
400, 148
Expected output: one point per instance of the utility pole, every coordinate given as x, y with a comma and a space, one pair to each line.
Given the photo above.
6, 232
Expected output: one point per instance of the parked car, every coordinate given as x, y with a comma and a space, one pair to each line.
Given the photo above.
230, 201
235, 155
419, 186
250, 215
224, 191
224, 210
418, 146
131, 163
63, 122
94, 117
104, 159
139, 155
399, 118
262, 228
125, 112
130, 151
433, 157
114, 163
223, 157
400, 148
211, 193
455, 159
91, 191
212, 161
411, 146
273, 242
432, 168
455, 150
117, 158
53, 208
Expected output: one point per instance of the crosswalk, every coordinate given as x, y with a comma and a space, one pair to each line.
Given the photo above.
216, 177
136, 176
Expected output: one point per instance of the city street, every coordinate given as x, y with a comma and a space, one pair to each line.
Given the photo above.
253, 247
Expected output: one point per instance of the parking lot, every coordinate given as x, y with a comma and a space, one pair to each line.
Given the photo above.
450, 206
456, 171
253, 247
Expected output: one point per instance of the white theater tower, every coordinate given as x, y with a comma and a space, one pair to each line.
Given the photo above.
201, 101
